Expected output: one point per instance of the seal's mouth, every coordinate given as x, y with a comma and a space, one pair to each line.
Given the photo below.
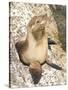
38, 27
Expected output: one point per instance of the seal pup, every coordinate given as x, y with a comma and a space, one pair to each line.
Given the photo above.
34, 50
35, 43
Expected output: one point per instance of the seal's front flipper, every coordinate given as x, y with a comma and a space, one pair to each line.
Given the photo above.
51, 42
54, 65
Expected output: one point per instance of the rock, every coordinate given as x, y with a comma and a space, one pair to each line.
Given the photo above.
20, 14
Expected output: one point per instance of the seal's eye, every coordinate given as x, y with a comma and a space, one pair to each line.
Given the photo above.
37, 21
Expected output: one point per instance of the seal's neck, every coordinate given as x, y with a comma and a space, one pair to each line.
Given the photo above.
32, 42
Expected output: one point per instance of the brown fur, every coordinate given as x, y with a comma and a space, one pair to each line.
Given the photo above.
34, 51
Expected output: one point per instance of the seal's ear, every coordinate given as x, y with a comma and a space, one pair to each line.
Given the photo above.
44, 17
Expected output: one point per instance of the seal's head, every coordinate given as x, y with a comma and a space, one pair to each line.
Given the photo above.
36, 71
36, 26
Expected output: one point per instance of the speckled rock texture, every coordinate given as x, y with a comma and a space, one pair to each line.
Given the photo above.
20, 14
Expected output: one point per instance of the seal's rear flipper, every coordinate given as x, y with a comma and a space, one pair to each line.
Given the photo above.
54, 65
36, 71
51, 42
